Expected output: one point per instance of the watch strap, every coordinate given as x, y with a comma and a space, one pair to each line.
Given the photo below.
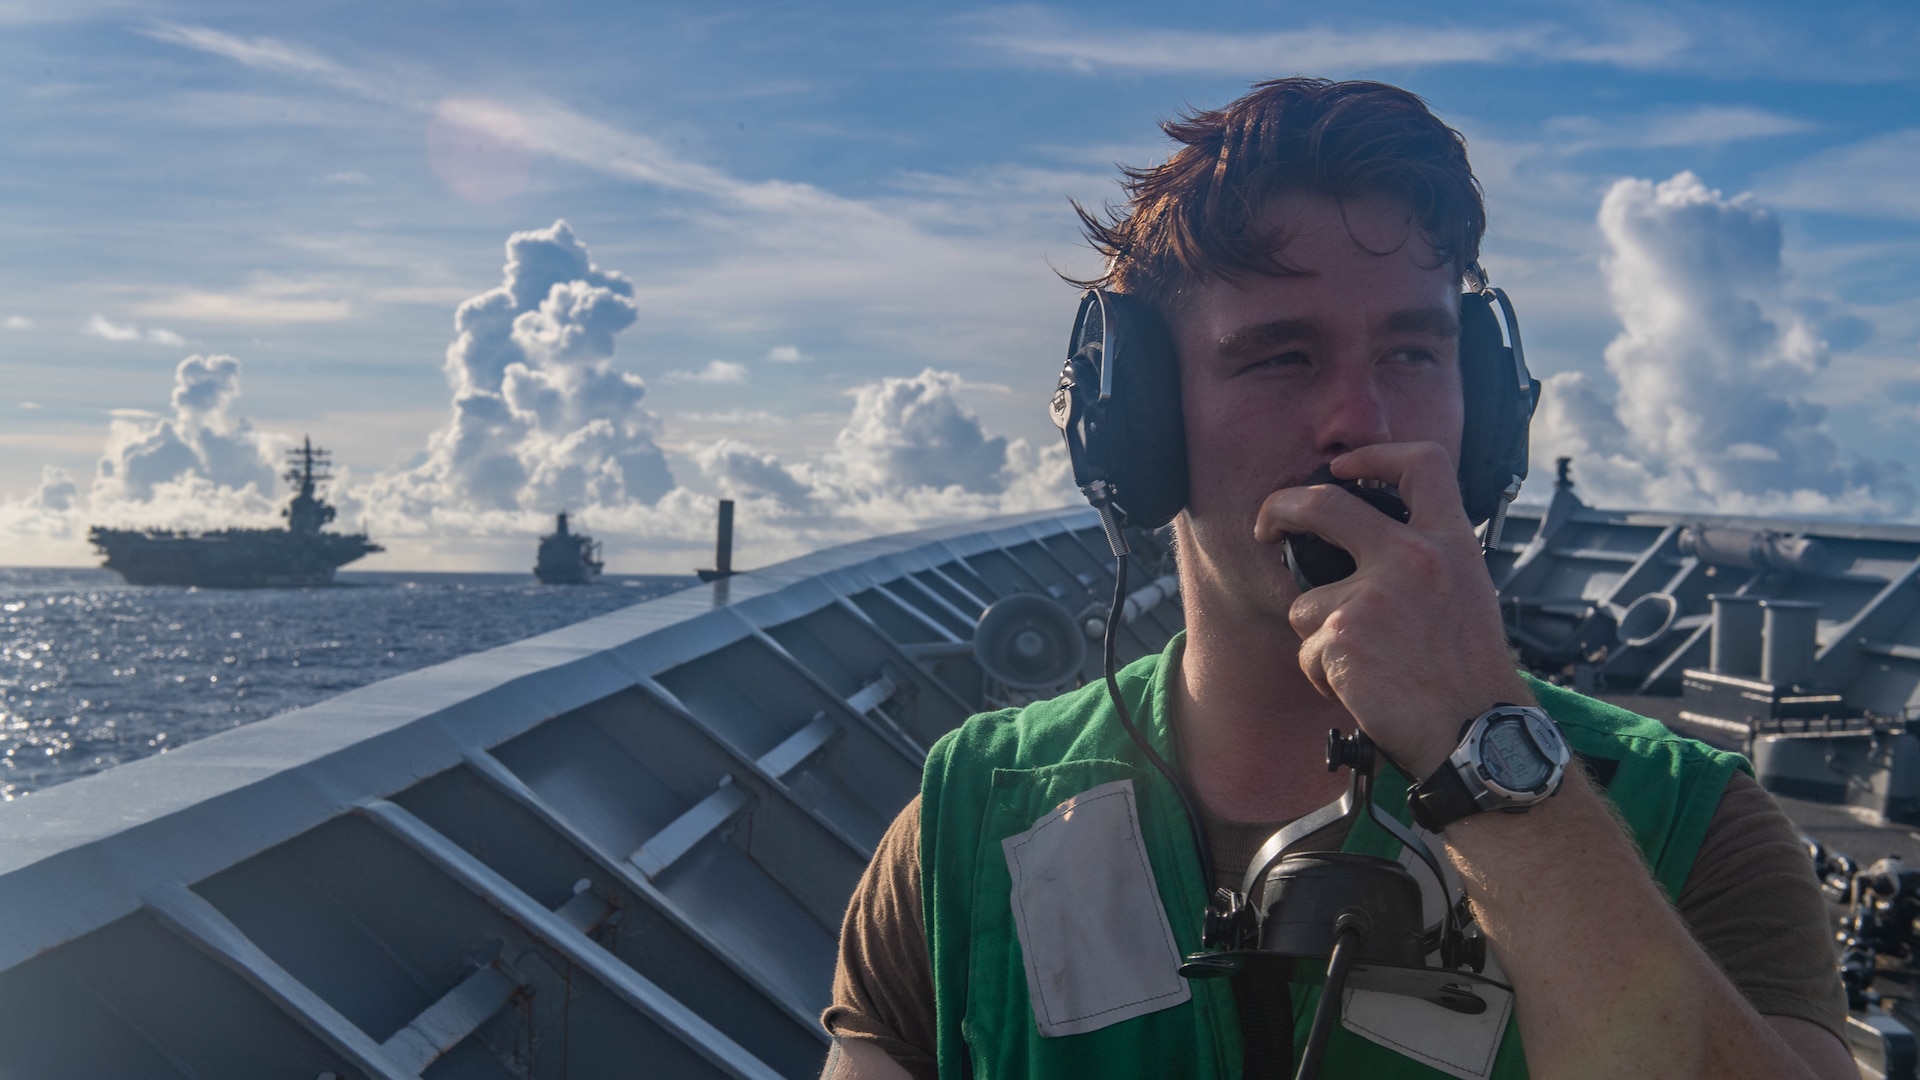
1441, 799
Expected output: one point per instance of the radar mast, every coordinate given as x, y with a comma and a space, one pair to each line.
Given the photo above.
306, 468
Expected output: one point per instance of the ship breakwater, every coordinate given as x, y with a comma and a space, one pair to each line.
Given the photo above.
94, 672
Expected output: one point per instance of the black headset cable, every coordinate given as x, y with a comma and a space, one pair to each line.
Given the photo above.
1114, 613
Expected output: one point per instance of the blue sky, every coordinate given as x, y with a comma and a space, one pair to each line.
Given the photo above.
831, 235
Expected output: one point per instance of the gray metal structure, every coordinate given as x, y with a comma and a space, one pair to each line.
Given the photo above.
1619, 599
1797, 641
619, 849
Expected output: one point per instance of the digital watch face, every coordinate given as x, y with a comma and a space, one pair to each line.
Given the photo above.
1510, 758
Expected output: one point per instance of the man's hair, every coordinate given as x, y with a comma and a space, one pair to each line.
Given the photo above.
1196, 216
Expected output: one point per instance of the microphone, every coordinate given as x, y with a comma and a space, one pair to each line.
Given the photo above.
1316, 562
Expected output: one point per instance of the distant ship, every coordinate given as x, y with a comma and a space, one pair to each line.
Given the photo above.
297, 555
567, 558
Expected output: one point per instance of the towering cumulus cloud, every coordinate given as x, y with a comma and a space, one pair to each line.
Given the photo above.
541, 419
911, 453
1713, 365
908, 433
202, 466
202, 439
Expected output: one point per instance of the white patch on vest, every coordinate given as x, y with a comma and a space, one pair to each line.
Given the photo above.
1456, 1044
1094, 936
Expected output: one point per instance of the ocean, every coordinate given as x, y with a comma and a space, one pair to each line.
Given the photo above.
95, 672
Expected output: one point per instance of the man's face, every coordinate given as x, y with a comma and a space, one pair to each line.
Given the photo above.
1279, 375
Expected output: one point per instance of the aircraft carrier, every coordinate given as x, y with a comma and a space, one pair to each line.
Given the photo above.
299, 555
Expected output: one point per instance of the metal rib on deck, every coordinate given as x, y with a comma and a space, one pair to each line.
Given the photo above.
624, 873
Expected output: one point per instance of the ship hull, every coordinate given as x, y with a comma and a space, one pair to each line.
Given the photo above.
629, 840
576, 574
234, 559
567, 558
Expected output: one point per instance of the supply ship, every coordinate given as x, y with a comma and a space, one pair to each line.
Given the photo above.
567, 558
298, 555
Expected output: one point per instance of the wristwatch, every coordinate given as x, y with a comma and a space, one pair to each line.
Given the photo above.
1509, 758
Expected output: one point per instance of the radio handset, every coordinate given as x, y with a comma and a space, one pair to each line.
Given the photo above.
1314, 561
1358, 914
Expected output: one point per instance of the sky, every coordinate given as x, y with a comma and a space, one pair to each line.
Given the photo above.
627, 259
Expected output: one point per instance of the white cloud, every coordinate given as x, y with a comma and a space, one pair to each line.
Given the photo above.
46, 521
541, 418
265, 302
480, 149
1037, 36
716, 371
785, 354
1873, 178
266, 54
754, 417
1712, 366
347, 179
101, 327
203, 439
742, 472
791, 246
18, 322
910, 454
914, 432
107, 330
57, 491
1704, 125
1642, 40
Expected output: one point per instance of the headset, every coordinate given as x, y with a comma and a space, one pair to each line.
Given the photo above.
1118, 405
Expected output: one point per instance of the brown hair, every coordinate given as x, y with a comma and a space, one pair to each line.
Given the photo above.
1193, 217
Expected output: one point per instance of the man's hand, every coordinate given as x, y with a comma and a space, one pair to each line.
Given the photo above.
1608, 981
1411, 644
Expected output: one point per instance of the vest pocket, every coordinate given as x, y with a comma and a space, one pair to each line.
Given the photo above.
1093, 935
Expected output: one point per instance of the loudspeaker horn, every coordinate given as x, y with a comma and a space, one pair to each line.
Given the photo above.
1028, 642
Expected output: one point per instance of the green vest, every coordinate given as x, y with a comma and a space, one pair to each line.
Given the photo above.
998, 775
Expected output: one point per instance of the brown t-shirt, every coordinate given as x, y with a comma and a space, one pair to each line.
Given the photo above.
1750, 900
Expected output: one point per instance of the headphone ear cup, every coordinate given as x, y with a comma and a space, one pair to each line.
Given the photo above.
1494, 444
1146, 437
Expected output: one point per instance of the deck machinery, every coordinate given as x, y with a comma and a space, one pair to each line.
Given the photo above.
1796, 642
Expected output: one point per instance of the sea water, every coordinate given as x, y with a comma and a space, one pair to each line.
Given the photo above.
95, 672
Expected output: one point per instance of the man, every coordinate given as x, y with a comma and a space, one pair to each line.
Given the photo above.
1306, 246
